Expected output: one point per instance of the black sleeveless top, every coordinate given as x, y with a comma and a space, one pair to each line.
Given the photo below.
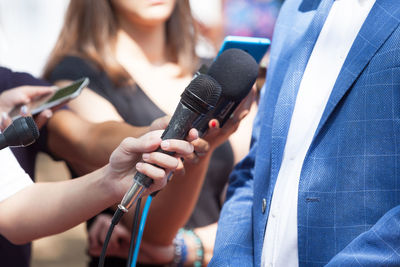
136, 108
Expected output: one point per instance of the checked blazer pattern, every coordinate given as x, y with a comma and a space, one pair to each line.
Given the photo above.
349, 191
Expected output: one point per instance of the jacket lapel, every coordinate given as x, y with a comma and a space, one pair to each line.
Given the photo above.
382, 20
289, 86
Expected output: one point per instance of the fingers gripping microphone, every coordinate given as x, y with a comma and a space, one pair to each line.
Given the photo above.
197, 104
21, 132
199, 97
236, 71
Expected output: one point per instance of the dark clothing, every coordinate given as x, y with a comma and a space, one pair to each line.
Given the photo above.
136, 108
10, 79
26, 156
19, 255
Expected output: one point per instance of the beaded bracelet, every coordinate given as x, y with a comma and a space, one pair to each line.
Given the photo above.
199, 248
180, 254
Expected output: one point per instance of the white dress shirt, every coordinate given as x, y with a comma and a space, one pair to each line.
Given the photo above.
12, 177
341, 27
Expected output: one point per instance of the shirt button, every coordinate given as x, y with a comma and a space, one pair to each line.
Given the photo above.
264, 205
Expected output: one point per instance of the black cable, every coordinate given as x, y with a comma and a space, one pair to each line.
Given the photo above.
115, 219
134, 232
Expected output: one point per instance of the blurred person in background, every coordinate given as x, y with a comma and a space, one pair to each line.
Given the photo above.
139, 57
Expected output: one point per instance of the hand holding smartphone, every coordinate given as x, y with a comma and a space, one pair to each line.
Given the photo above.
58, 97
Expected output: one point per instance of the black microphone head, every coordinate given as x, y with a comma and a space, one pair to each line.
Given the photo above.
236, 71
33, 129
22, 132
202, 94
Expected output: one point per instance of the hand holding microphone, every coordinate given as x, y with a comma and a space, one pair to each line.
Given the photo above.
201, 100
197, 100
216, 95
236, 72
155, 165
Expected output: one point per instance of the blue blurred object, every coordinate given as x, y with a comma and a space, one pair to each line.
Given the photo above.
254, 18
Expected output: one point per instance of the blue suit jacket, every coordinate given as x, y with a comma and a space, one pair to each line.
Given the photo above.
349, 191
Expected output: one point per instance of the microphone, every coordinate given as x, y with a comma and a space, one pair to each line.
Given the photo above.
199, 97
197, 105
236, 71
21, 132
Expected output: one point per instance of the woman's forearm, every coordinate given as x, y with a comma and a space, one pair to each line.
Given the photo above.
85, 145
48, 208
175, 203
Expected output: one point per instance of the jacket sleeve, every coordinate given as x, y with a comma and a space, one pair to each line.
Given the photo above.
234, 241
379, 246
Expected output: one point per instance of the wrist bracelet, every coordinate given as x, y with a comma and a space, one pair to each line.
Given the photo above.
180, 252
199, 248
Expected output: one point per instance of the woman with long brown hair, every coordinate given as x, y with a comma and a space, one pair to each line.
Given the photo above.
139, 56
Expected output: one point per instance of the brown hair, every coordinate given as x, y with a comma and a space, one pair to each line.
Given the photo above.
90, 29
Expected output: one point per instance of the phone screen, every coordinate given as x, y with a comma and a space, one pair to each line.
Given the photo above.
60, 96
66, 91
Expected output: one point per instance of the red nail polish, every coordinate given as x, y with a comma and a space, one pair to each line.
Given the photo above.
213, 124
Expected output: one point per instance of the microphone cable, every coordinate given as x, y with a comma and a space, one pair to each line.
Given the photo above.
132, 260
117, 214
134, 237
115, 219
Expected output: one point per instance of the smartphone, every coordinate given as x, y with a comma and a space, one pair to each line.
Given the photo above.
255, 46
60, 96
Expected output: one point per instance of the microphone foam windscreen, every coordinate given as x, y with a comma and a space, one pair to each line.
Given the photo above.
236, 71
203, 91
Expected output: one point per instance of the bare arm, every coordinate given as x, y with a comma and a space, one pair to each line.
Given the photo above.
174, 204
49, 208
41, 209
85, 145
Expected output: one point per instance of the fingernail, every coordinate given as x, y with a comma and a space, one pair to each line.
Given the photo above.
139, 165
54, 87
146, 156
196, 135
4, 116
213, 124
164, 144
48, 114
24, 110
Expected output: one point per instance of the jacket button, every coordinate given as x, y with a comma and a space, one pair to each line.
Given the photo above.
264, 205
